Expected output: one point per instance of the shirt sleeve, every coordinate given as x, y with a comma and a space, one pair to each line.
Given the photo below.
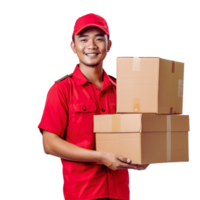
54, 118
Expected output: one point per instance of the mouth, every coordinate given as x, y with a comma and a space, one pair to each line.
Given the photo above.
92, 54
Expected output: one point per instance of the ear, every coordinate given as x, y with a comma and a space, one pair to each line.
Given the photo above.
73, 47
110, 44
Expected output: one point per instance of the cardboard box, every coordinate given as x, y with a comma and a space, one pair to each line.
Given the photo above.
149, 85
144, 138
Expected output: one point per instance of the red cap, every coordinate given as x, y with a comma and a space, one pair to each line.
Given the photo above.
90, 20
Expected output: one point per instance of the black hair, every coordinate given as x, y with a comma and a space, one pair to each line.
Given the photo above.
73, 38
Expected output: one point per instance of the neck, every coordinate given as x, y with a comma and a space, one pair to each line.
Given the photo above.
94, 74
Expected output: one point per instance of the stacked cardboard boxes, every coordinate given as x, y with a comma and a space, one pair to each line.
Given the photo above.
148, 127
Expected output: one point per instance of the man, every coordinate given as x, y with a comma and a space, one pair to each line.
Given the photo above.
67, 121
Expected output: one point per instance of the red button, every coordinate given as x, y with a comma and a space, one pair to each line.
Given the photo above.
103, 110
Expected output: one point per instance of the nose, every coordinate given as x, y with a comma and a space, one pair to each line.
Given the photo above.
91, 44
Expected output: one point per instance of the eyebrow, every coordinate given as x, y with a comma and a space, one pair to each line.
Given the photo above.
98, 34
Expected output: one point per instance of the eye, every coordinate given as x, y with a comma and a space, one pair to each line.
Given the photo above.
83, 40
99, 39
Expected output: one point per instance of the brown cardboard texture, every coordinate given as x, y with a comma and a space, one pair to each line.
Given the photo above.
149, 85
144, 138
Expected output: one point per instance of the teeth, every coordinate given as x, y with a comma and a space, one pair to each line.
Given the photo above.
91, 54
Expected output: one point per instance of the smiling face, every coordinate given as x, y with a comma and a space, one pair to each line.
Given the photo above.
91, 46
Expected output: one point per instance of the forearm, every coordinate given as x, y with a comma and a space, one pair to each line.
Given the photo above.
56, 146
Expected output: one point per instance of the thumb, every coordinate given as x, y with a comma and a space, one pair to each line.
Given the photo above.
123, 159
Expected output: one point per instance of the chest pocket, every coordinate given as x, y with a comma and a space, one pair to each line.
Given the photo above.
81, 118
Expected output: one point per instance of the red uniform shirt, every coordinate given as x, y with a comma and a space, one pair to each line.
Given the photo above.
69, 109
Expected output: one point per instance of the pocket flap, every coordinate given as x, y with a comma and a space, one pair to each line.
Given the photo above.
83, 107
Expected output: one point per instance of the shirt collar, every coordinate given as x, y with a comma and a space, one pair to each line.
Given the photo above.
80, 79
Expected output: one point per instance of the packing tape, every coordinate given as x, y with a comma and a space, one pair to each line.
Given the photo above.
168, 138
136, 64
180, 88
136, 105
136, 101
116, 123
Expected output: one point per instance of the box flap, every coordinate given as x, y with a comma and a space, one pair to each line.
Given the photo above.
117, 123
140, 123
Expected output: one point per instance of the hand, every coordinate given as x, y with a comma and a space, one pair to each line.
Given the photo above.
115, 162
140, 167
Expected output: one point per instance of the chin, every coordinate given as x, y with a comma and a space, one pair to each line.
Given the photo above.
91, 64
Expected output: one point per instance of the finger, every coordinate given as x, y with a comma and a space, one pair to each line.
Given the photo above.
142, 168
138, 168
122, 165
146, 166
123, 159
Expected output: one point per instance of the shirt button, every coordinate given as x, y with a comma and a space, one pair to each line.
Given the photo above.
103, 110
109, 170
84, 108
